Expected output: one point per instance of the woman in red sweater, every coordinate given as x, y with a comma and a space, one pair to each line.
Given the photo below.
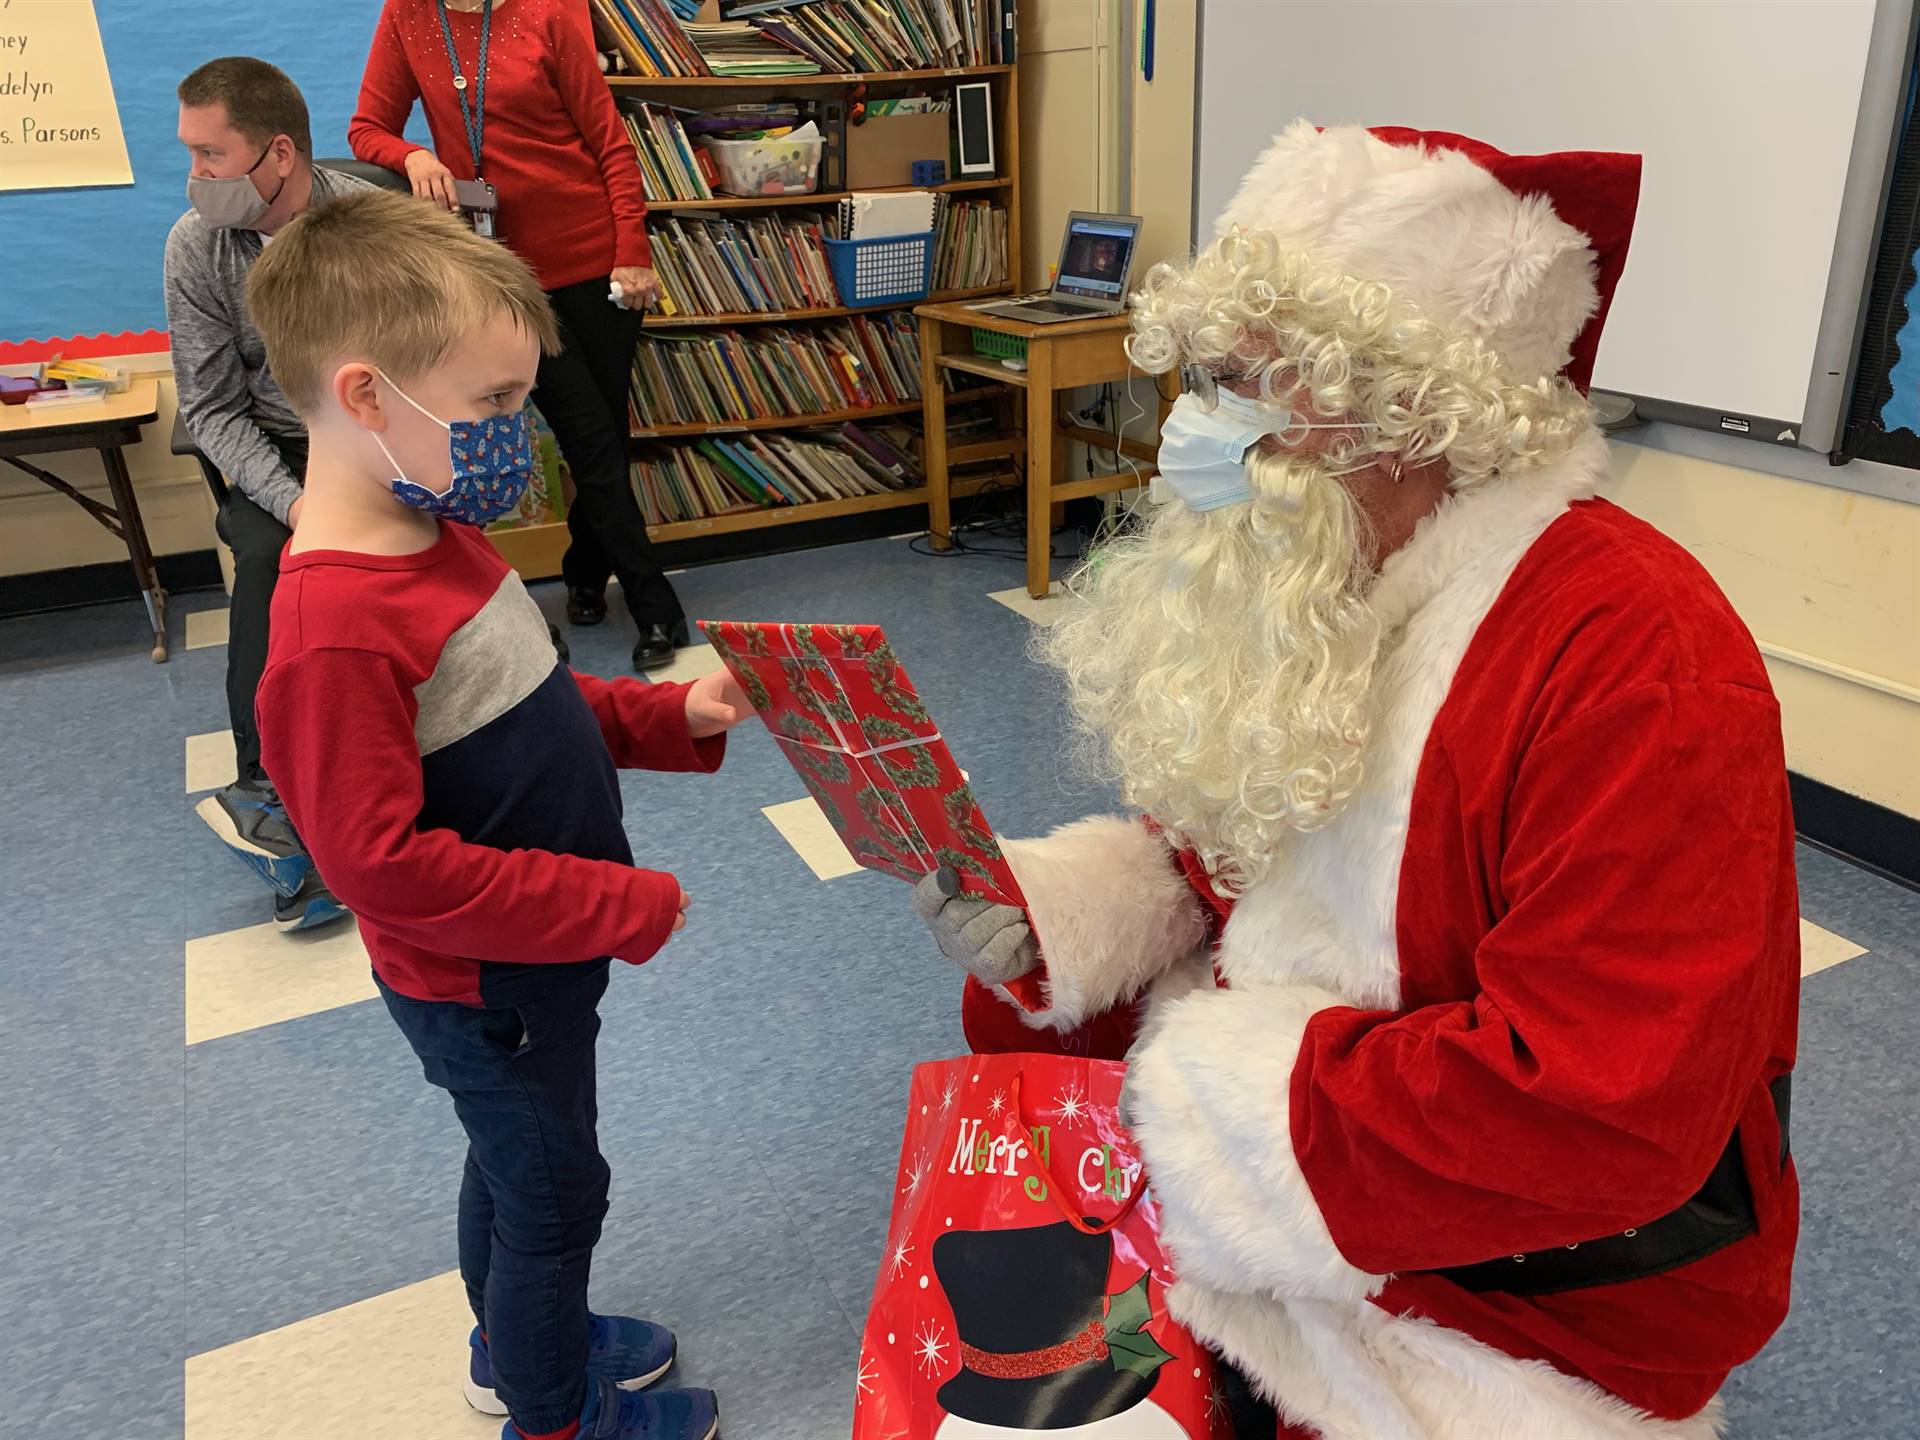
514, 96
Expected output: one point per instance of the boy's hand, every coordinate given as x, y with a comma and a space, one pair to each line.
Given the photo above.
715, 704
680, 920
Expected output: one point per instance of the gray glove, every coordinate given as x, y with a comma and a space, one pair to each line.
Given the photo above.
991, 942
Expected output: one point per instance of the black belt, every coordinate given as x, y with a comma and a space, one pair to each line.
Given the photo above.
1719, 1214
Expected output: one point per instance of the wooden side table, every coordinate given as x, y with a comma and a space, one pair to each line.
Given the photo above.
1059, 357
107, 426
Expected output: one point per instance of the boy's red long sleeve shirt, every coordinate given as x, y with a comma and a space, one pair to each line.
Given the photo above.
456, 785
572, 204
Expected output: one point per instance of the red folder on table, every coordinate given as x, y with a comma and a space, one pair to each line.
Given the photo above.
848, 719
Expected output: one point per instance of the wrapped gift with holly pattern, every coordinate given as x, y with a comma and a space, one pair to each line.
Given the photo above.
848, 719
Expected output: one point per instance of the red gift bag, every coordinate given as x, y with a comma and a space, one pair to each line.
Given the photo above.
1023, 1291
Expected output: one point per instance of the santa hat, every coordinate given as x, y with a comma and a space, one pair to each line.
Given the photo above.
1522, 251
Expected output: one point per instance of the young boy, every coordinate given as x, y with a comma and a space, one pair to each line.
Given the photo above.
456, 785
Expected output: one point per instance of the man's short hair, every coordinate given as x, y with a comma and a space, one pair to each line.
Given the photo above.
261, 101
386, 279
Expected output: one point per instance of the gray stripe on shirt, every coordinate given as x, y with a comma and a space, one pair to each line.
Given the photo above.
488, 666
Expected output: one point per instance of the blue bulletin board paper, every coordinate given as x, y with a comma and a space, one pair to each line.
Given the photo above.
86, 262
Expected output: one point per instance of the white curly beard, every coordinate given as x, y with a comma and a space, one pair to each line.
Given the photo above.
1221, 667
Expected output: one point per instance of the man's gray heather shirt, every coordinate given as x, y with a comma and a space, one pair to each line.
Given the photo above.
228, 400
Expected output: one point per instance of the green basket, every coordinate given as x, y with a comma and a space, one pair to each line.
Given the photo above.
995, 346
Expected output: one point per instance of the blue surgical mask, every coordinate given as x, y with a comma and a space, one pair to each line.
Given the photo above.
1203, 451
492, 466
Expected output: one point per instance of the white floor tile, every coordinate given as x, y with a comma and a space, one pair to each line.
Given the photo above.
390, 1365
1822, 949
805, 828
1041, 612
210, 762
244, 979
689, 664
207, 628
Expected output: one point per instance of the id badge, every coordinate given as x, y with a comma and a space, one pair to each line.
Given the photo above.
479, 205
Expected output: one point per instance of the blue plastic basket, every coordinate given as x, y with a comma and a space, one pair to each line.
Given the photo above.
888, 271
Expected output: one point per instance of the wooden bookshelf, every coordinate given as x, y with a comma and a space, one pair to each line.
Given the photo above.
817, 197
536, 550
772, 317
787, 82
773, 422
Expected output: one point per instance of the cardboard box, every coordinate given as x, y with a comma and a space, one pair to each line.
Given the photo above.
882, 148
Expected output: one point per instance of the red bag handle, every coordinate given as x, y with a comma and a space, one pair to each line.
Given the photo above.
1055, 1190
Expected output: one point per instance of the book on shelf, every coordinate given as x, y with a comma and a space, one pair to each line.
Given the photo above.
719, 266
648, 35
658, 38
727, 475
860, 35
738, 47
715, 377
672, 167
969, 245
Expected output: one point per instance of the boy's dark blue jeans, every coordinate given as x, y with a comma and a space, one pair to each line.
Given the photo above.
535, 1188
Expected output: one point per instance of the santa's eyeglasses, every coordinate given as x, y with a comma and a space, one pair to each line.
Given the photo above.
1290, 427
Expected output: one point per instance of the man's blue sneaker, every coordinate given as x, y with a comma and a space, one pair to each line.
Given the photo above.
248, 818
309, 907
615, 1414
632, 1354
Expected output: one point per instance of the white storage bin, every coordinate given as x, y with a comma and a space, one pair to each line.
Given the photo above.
766, 167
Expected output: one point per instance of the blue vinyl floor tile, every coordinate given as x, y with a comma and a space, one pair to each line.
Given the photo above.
752, 1079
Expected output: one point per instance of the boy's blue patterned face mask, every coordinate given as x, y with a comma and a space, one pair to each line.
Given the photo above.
492, 466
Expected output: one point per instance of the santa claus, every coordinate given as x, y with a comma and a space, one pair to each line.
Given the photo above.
1456, 949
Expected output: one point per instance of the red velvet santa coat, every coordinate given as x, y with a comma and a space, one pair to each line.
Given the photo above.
1517, 995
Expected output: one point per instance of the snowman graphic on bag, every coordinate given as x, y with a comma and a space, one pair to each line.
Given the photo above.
1044, 1350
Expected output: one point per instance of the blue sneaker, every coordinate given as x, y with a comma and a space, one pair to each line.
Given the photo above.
249, 819
632, 1354
614, 1414
309, 907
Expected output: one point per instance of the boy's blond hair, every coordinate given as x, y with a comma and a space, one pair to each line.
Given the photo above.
384, 278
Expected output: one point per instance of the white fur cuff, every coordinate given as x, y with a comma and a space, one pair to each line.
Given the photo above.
1208, 1098
1111, 911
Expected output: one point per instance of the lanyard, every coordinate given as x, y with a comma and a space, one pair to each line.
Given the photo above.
475, 114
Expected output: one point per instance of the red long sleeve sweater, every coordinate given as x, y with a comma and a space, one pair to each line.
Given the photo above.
571, 201
453, 782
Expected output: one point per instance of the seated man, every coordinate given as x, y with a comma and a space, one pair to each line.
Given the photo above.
245, 128
1462, 922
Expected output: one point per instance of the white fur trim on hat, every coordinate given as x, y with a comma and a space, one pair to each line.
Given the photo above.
1436, 229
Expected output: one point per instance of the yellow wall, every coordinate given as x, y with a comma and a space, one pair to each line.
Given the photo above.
41, 530
1069, 123
1829, 583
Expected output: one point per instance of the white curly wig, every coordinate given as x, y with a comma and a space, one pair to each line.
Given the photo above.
1221, 667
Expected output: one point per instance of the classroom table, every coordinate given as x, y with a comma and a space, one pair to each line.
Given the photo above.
1059, 357
108, 426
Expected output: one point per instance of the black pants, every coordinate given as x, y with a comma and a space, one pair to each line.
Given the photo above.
582, 392
256, 540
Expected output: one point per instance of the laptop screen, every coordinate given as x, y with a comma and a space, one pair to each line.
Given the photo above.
1096, 259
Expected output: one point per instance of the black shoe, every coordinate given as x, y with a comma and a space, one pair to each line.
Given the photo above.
654, 649
584, 606
559, 644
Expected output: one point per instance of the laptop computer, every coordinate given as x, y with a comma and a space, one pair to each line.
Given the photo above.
1096, 262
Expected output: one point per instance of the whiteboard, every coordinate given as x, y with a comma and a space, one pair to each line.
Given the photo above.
1743, 109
